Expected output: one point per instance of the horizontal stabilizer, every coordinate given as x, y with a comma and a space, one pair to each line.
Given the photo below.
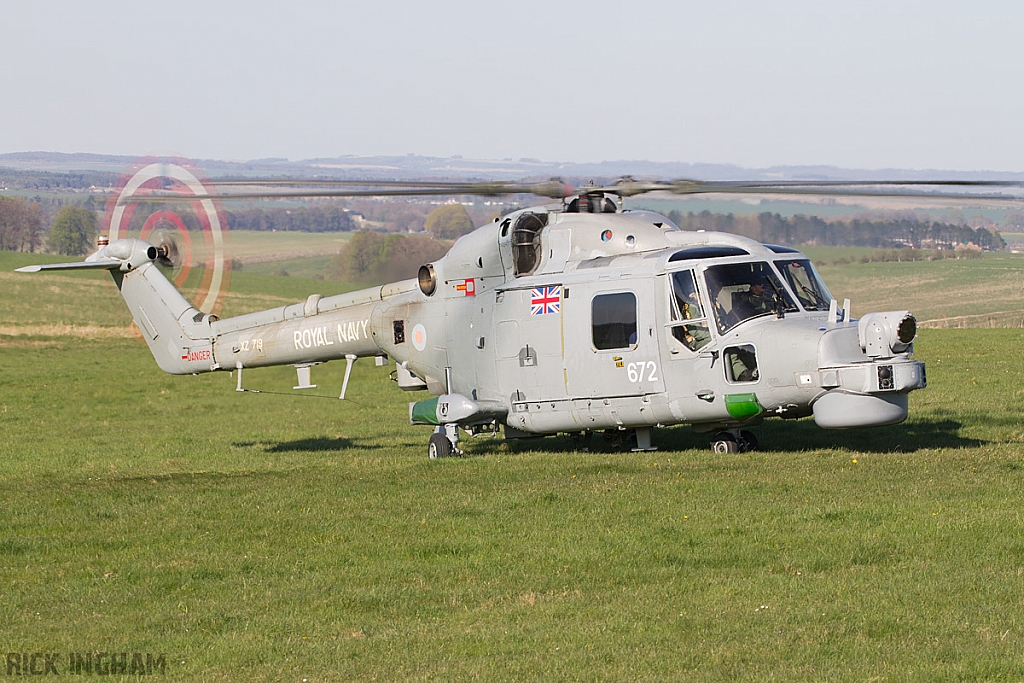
106, 264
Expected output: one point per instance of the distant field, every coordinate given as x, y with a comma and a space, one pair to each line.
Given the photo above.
309, 267
984, 292
1013, 239
834, 254
251, 246
271, 537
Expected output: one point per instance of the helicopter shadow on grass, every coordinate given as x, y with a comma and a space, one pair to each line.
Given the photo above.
319, 444
916, 435
775, 436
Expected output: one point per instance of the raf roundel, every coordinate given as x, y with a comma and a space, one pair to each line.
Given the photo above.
419, 337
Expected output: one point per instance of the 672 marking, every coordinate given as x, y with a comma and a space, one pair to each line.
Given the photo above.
636, 371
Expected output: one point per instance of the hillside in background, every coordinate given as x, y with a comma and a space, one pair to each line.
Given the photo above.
51, 180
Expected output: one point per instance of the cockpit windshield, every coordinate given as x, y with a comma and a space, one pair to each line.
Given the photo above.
803, 279
740, 291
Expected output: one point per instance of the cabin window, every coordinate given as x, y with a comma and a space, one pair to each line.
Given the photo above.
741, 291
803, 279
613, 320
689, 326
741, 363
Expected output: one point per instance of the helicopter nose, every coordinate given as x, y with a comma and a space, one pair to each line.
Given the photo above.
867, 372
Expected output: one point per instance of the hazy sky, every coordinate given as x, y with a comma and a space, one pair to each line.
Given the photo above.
888, 84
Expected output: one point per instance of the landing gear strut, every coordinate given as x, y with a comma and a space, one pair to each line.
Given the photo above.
734, 441
444, 442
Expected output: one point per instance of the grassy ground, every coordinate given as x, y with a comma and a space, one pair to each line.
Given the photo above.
290, 537
280, 537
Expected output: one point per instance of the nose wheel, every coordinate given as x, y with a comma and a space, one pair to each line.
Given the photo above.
734, 441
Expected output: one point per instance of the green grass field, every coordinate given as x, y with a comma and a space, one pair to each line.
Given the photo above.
287, 537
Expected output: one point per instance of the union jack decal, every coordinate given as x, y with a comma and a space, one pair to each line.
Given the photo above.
544, 300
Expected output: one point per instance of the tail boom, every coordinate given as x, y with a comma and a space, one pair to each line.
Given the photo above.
296, 334
184, 340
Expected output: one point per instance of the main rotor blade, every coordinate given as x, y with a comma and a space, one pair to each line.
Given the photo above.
553, 189
556, 189
835, 188
285, 182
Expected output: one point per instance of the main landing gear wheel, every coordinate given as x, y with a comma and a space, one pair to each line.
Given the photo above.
734, 441
724, 442
440, 446
620, 438
748, 442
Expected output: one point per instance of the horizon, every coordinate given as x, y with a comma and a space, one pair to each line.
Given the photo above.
410, 164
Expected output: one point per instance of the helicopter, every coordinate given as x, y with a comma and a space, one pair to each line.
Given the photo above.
577, 316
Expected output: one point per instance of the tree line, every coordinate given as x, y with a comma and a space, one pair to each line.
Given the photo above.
72, 232
21, 224
16, 179
448, 221
73, 229
315, 218
772, 228
373, 258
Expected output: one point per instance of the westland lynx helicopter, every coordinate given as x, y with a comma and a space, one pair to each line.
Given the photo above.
572, 317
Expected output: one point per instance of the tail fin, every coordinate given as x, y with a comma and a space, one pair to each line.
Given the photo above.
178, 334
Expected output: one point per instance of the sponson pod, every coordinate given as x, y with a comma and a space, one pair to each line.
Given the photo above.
454, 409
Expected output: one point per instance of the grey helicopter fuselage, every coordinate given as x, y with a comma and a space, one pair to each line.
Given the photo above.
551, 321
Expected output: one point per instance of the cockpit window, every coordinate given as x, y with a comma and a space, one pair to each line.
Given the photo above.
686, 300
741, 291
804, 280
689, 326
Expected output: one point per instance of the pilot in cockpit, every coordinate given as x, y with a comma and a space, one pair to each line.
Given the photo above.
756, 300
